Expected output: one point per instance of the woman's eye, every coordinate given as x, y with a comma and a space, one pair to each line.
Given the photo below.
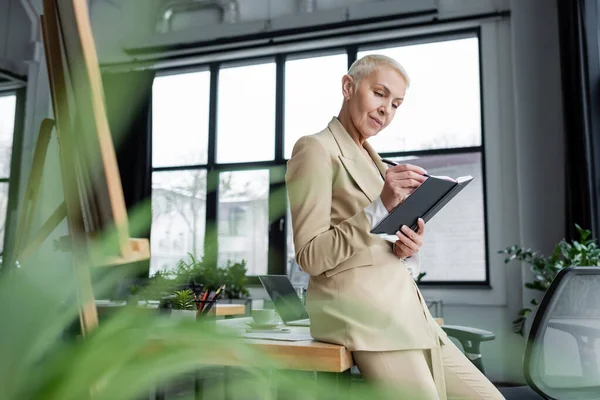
395, 105
379, 94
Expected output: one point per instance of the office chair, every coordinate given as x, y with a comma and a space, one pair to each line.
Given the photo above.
470, 340
562, 356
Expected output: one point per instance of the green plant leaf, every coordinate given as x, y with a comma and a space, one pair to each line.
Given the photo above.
582, 252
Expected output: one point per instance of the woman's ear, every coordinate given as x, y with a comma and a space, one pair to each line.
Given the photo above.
347, 86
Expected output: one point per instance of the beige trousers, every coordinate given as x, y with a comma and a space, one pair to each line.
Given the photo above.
407, 374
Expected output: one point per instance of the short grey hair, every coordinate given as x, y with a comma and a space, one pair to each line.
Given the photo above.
367, 64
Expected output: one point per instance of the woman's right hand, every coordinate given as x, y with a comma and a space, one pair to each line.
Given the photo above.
400, 181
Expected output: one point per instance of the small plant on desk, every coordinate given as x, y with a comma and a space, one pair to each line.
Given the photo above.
184, 300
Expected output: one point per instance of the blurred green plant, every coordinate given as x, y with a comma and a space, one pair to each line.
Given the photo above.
196, 271
134, 295
191, 272
132, 351
235, 280
583, 252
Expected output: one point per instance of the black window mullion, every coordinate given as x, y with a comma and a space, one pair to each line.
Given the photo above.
277, 221
279, 107
352, 52
277, 192
211, 237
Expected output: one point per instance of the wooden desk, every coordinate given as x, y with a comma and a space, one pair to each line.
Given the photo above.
330, 362
222, 310
306, 355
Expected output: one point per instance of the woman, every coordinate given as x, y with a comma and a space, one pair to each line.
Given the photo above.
361, 293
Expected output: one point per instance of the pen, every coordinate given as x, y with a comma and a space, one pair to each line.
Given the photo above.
392, 163
213, 300
201, 303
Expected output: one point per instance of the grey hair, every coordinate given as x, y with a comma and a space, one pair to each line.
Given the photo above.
367, 64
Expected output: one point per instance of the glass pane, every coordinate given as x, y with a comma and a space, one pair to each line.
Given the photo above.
290, 249
243, 215
178, 217
246, 114
454, 245
313, 94
442, 107
180, 106
3, 205
7, 126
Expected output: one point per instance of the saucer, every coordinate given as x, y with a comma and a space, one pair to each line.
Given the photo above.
254, 325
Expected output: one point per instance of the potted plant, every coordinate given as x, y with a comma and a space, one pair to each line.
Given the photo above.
192, 273
183, 305
583, 252
236, 280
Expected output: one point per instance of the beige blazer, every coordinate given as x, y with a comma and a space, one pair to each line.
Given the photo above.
360, 294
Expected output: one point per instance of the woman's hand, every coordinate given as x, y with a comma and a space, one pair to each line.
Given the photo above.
400, 181
409, 242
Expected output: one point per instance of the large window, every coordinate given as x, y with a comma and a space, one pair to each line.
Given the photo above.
222, 137
438, 127
8, 104
180, 113
198, 139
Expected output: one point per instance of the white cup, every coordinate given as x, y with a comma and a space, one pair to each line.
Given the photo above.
264, 316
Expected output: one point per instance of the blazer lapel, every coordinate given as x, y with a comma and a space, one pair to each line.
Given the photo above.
381, 166
355, 163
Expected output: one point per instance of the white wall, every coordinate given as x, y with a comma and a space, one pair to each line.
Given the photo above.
523, 135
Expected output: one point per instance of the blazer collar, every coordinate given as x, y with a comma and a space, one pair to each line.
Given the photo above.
356, 163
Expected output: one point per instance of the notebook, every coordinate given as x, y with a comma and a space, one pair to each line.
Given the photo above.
425, 202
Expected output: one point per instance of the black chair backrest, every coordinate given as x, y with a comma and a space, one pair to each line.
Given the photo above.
562, 357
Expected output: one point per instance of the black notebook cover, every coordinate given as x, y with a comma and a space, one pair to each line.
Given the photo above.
424, 202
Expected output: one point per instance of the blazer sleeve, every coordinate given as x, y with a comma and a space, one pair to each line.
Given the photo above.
319, 246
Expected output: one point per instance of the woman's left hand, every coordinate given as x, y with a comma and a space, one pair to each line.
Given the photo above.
409, 242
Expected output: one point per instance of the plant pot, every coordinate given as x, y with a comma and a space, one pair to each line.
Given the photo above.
184, 314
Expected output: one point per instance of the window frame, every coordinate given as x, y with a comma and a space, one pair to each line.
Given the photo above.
13, 180
277, 257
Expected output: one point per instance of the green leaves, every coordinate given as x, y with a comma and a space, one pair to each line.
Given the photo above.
191, 270
583, 252
184, 300
236, 280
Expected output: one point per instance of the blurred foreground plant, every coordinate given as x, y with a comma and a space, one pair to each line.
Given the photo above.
131, 351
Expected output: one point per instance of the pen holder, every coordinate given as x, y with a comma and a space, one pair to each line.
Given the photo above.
206, 312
